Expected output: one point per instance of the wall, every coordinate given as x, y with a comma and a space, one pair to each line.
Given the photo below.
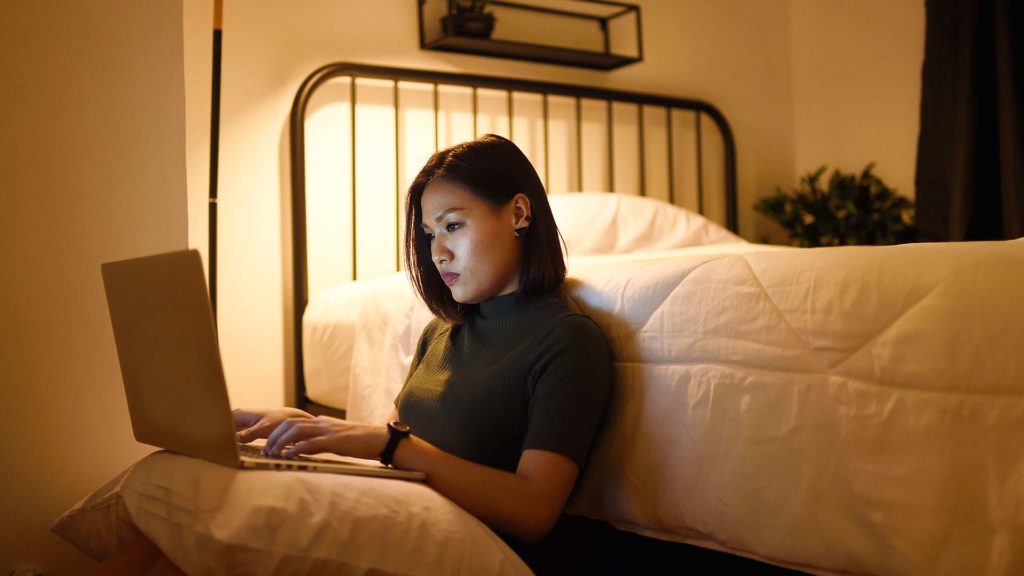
93, 109
856, 69
780, 70
733, 53
93, 161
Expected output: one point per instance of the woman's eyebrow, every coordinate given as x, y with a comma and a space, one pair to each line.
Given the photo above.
442, 215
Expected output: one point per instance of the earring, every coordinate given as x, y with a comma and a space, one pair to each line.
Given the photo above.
521, 231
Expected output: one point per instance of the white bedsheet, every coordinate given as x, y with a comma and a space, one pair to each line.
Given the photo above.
855, 409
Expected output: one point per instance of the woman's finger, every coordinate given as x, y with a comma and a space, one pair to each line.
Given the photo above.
297, 429
245, 418
272, 440
308, 446
250, 434
258, 430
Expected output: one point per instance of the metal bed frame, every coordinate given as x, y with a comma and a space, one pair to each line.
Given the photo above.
297, 395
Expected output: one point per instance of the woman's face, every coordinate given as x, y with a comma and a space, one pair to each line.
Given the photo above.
472, 244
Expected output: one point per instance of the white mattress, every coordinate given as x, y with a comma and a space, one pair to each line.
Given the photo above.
329, 328
855, 409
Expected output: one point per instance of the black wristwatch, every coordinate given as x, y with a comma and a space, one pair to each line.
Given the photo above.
397, 431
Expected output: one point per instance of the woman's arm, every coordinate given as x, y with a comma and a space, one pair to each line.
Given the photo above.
525, 504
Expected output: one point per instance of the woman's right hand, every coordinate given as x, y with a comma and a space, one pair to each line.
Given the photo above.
253, 424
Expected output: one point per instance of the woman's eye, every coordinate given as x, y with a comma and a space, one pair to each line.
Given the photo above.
430, 237
453, 226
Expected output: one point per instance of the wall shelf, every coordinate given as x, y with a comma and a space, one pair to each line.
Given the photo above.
593, 34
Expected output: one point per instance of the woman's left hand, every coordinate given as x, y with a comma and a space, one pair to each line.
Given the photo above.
297, 436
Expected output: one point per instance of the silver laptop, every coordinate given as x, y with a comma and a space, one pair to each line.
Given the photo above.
170, 364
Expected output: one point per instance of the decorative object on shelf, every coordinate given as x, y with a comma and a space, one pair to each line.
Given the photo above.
468, 18
601, 34
852, 209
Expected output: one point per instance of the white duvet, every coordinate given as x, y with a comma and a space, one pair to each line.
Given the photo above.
855, 409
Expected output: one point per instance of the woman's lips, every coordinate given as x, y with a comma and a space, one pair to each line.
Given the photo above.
449, 277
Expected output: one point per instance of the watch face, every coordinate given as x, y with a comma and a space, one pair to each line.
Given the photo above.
401, 427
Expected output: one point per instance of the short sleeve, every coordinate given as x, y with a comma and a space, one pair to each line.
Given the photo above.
570, 387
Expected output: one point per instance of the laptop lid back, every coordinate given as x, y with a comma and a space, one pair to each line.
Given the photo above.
170, 360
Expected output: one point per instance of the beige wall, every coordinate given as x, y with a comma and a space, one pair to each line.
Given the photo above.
95, 127
93, 109
778, 69
856, 67
735, 54
92, 162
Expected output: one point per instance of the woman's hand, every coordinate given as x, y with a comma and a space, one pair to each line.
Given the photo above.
326, 434
253, 424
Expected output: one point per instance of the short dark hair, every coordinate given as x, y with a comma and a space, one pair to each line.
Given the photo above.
493, 169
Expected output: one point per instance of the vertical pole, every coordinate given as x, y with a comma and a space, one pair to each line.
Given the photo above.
671, 158
352, 142
398, 193
611, 147
218, 13
643, 154
547, 145
475, 114
700, 165
579, 145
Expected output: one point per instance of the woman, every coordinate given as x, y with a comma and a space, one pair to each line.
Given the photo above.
509, 382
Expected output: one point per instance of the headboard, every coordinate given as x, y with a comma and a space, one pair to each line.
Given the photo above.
378, 125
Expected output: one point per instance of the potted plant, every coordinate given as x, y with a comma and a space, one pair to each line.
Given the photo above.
852, 209
468, 18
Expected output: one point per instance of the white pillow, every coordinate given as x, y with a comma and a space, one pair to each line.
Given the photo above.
606, 223
211, 519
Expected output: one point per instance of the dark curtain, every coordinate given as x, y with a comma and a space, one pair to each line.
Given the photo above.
970, 160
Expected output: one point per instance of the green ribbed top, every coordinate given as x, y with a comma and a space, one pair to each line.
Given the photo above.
515, 376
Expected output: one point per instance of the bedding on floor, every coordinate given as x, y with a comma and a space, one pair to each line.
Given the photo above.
212, 519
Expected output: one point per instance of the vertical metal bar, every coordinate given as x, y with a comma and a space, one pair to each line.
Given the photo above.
510, 116
607, 41
475, 134
639, 36
671, 159
700, 166
643, 158
579, 144
218, 25
437, 132
611, 148
352, 141
419, 14
547, 161
398, 192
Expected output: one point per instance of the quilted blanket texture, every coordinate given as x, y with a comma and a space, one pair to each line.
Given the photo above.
839, 410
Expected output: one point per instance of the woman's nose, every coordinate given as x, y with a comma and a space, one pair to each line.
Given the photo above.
440, 253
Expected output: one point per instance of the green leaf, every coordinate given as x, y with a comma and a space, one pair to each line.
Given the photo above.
851, 209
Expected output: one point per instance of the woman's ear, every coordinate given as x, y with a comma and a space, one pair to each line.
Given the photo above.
520, 211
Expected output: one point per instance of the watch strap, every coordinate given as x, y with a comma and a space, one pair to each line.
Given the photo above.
397, 431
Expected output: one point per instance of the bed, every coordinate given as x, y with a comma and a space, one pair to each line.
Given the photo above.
851, 410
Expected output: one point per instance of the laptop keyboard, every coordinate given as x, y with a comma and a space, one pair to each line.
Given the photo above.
257, 452
250, 450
